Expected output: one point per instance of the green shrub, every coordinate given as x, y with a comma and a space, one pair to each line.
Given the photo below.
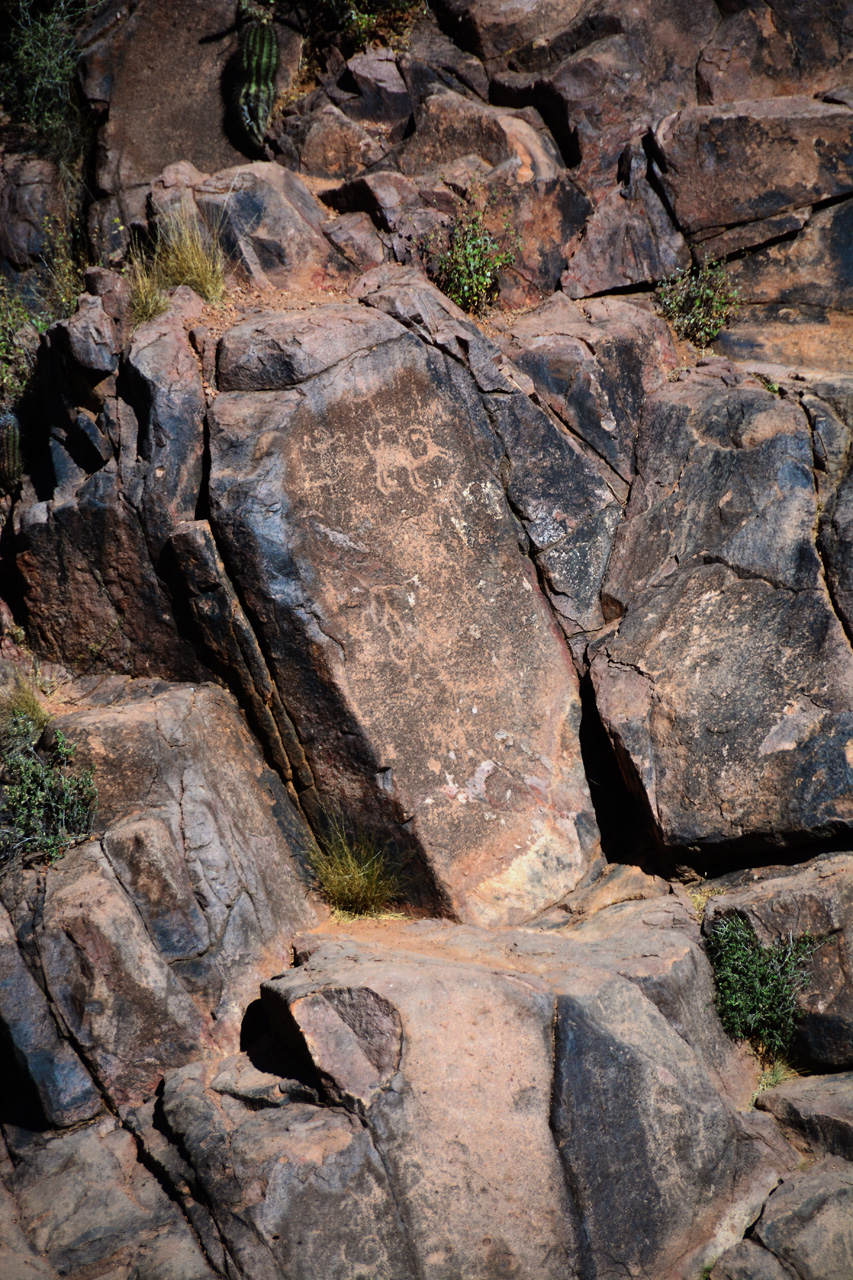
16, 348
37, 70
46, 806
467, 264
757, 986
700, 302
352, 871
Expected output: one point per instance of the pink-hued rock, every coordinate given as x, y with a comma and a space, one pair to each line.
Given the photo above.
153, 936
816, 1112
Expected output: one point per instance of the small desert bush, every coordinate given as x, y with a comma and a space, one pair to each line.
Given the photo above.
352, 871
37, 70
758, 986
183, 253
700, 302
46, 805
16, 351
467, 260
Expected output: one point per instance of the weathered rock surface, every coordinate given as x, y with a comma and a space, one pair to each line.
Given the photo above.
805, 1229
728, 743
739, 162
354, 527
405, 541
816, 1112
151, 940
90, 1207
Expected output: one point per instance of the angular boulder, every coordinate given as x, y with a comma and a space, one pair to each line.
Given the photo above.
740, 162
380, 561
725, 681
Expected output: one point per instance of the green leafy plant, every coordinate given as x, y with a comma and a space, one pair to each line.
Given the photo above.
466, 263
352, 871
46, 805
757, 986
700, 302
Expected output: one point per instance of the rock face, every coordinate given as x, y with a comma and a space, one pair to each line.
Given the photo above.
381, 523
717, 742
553, 608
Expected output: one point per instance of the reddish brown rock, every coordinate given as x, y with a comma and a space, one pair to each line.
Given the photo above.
741, 162
153, 936
90, 1206
491, 28
331, 145
31, 207
808, 1222
610, 74
811, 270
629, 239
141, 50
795, 338
816, 1112
467, 980
770, 50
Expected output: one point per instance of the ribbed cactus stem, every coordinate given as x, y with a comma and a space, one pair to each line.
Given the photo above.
259, 58
11, 463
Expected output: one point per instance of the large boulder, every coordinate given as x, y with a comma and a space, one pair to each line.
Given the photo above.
725, 679
379, 558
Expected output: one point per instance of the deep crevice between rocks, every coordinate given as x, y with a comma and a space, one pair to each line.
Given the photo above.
628, 835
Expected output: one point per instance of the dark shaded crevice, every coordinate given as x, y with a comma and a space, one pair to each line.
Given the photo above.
195, 1190
628, 834
820, 545
20, 1104
621, 290
844, 621
753, 851
655, 166
282, 1052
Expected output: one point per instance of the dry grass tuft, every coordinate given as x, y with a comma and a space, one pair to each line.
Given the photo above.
352, 871
185, 254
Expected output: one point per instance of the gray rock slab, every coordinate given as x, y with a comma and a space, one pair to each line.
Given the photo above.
725, 681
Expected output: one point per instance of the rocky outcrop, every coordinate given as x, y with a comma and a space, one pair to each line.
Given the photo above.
552, 607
